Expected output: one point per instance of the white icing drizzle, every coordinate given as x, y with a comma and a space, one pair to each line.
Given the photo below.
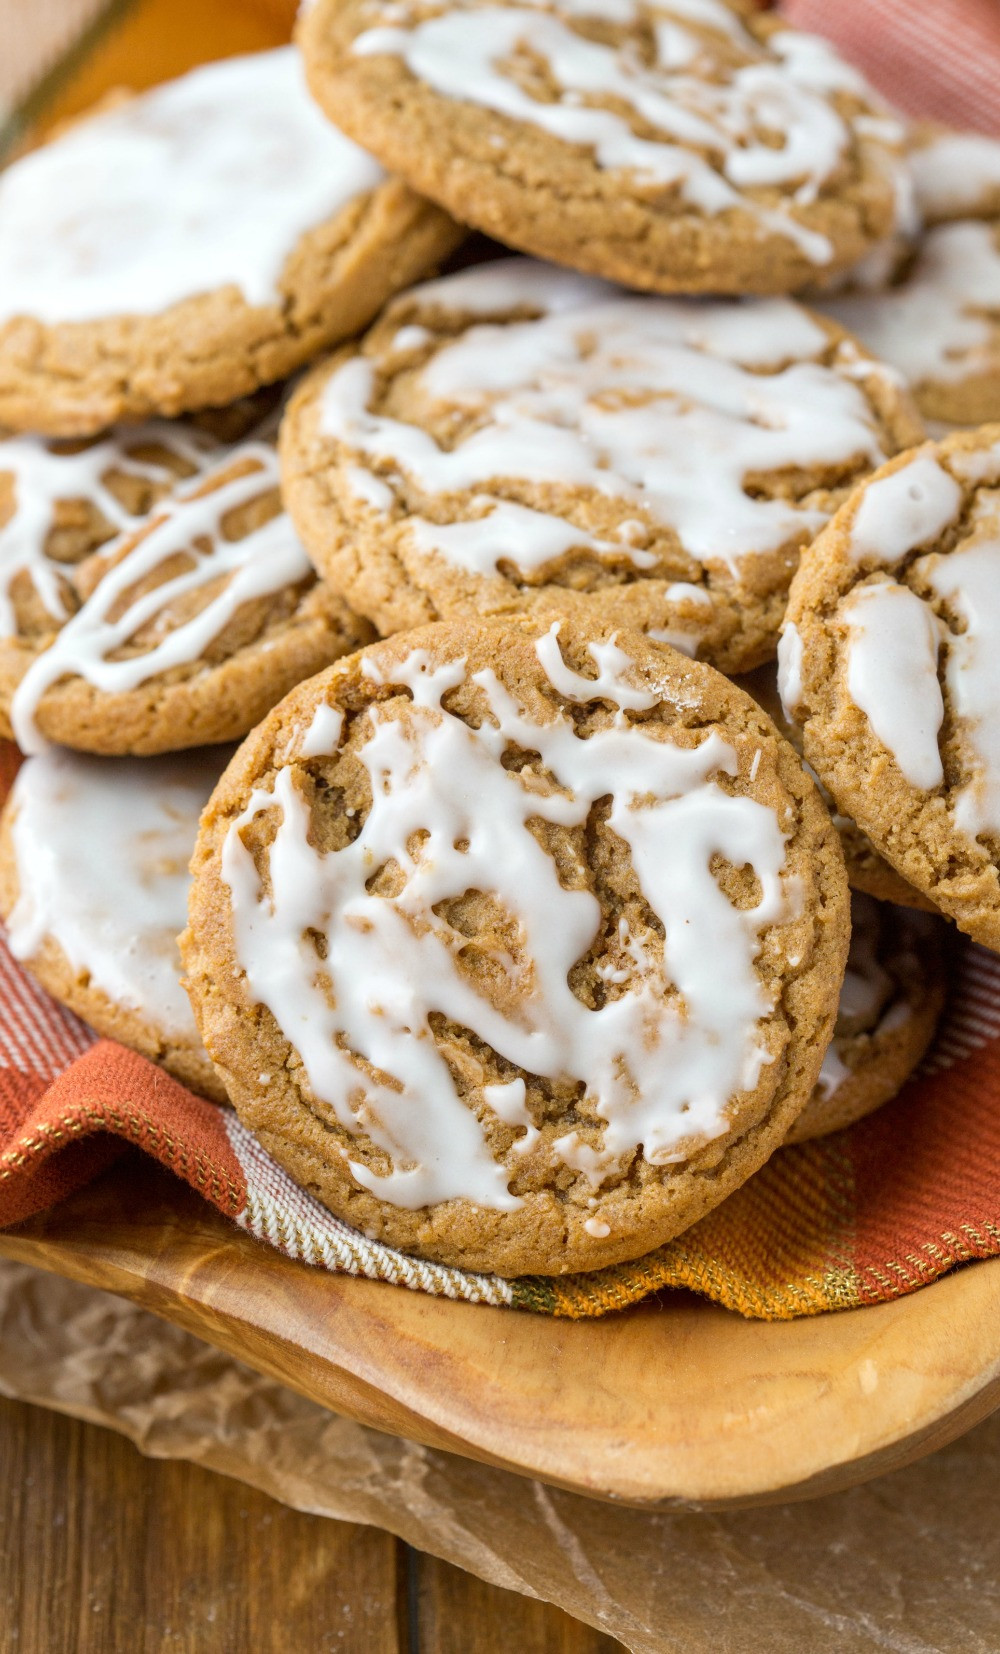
655, 402
190, 525
323, 735
44, 474
955, 175
708, 106
102, 849
910, 507
790, 656
206, 182
969, 581
658, 1071
939, 322
892, 676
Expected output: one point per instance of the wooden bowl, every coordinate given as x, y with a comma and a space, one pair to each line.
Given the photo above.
676, 1401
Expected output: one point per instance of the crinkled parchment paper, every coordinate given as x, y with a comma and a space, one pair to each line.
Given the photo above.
909, 1564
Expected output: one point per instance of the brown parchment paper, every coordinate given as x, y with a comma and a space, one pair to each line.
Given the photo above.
909, 1563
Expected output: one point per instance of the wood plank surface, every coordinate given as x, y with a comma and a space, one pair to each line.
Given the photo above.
105, 1552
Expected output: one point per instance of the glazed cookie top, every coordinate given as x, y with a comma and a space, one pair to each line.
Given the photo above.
517, 946
60, 501
191, 244
939, 322
867, 871
888, 662
206, 182
955, 174
192, 584
687, 146
514, 436
100, 851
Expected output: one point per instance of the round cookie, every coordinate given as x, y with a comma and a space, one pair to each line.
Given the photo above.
955, 174
515, 438
890, 1003
519, 949
687, 147
190, 244
94, 878
867, 871
938, 322
153, 595
889, 665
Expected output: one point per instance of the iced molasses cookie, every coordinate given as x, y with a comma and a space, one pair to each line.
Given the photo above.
517, 438
889, 1007
867, 871
519, 949
889, 665
153, 594
94, 859
938, 322
955, 174
190, 244
690, 147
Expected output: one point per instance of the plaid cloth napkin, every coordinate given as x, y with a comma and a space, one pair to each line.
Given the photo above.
868, 1214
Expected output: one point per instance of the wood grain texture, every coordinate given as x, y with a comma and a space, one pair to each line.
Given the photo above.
105, 1552
457, 1614
676, 1401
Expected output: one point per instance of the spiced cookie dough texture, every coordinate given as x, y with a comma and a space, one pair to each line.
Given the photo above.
890, 1003
867, 871
93, 890
201, 239
153, 594
518, 439
680, 147
518, 948
889, 665
938, 322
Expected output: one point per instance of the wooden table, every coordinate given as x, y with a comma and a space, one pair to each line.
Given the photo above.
105, 1552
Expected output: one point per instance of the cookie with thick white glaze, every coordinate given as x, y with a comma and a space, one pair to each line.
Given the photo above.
518, 439
890, 1003
94, 878
520, 949
690, 147
889, 662
153, 594
189, 244
937, 321
955, 174
867, 871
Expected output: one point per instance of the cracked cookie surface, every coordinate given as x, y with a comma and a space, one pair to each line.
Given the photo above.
696, 147
190, 244
516, 438
154, 595
519, 948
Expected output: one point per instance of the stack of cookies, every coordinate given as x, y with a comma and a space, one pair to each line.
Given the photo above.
537, 906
